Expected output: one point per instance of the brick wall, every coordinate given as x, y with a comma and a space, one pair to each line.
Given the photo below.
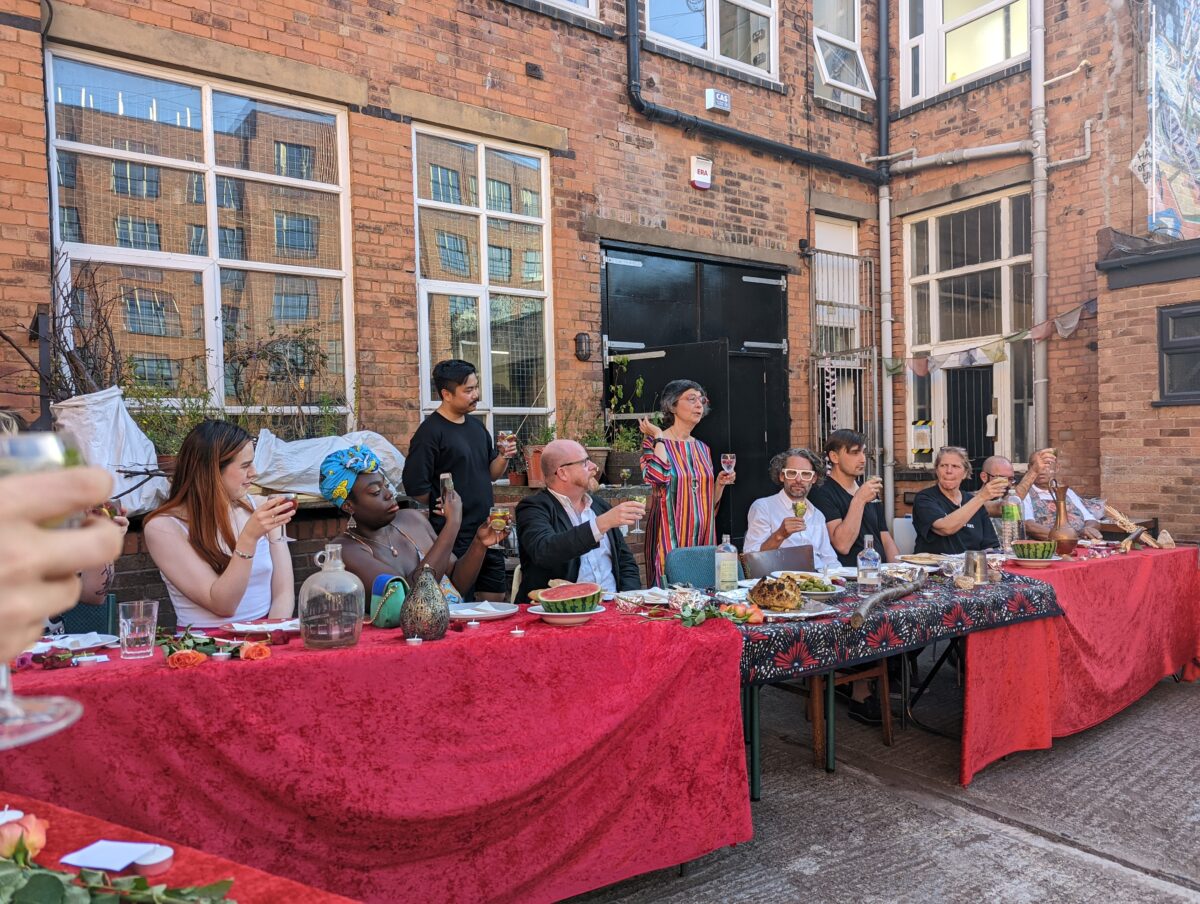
1148, 454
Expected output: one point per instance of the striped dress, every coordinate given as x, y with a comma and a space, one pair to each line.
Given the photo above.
681, 509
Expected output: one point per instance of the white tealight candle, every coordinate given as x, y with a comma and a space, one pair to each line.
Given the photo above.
10, 815
221, 655
472, 624
518, 632
413, 641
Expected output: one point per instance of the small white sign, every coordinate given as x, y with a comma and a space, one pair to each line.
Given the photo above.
717, 100
701, 173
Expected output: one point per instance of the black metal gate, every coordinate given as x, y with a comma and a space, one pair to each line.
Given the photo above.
969, 402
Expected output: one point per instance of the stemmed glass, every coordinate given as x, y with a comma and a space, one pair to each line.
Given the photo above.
640, 500
24, 720
728, 462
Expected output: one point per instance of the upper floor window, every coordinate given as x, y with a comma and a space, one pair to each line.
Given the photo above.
741, 34
947, 41
841, 74
445, 185
294, 160
295, 235
138, 232
1179, 354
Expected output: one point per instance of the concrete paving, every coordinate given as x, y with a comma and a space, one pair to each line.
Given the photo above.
1109, 815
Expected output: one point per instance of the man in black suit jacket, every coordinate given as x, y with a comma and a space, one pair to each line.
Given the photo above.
565, 533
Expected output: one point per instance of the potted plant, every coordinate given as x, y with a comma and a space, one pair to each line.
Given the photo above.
595, 440
516, 472
533, 454
626, 445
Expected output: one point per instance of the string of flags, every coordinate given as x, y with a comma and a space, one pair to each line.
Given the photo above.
996, 351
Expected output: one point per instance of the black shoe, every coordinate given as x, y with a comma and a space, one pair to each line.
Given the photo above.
866, 711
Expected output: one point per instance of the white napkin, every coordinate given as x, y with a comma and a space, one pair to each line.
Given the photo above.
112, 856
481, 608
68, 642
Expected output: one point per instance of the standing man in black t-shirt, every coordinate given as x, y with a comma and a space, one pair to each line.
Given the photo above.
451, 441
852, 510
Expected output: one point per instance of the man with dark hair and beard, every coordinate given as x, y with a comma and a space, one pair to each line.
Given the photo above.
852, 509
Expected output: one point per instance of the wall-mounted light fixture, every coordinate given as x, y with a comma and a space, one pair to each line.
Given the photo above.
583, 346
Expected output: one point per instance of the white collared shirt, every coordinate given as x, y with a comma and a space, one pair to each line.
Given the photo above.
768, 513
595, 566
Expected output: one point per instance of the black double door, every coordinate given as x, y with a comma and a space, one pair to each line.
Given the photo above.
968, 405
721, 324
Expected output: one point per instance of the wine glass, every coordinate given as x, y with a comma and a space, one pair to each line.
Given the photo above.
24, 720
625, 475
640, 500
728, 462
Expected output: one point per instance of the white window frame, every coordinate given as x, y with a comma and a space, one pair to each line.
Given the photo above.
480, 291
1002, 370
586, 9
209, 266
820, 34
931, 44
712, 53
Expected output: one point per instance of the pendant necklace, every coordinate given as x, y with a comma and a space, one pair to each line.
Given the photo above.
388, 546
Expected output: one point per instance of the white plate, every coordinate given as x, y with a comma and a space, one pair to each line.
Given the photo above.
747, 583
801, 613
74, 643
1036, 563
655, 596
564, 618
812, 594
740, 595
484, 611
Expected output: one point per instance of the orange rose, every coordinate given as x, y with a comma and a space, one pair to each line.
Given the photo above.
29, 827
185, 659
252, 651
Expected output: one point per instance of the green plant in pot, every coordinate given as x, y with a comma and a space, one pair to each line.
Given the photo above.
626, 442
533, 454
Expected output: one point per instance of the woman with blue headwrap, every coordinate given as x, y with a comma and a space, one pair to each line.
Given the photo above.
382, 539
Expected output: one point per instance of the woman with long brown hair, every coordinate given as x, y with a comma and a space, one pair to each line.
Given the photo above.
222, 555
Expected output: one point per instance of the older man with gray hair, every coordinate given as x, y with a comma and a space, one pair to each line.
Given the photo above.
777, 521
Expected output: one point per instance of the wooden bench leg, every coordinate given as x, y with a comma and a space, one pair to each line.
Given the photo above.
816, 715
755, 745
885, 705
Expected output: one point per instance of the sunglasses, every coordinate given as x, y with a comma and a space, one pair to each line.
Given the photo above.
793, 473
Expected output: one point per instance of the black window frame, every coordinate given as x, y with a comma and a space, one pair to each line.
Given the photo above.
1168, 347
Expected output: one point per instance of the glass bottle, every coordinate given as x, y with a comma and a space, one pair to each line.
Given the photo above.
868, 566
332, 603
727, 565
1010, 520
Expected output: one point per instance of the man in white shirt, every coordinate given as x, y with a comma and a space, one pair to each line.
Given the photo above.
772, 522
564, 533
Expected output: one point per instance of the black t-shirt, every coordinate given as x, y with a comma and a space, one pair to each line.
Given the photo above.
466, 452
931, 505
834, 502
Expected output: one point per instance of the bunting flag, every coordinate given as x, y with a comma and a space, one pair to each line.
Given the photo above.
995, 351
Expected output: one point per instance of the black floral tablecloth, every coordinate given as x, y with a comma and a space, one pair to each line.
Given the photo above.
790, 649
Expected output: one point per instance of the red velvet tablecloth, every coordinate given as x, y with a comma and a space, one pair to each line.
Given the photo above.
69, 831
1128, 622
479, 767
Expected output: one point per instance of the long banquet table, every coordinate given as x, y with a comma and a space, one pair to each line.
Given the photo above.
1128, 622
69, 831
483, 766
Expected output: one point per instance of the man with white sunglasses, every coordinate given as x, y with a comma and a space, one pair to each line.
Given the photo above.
776, 522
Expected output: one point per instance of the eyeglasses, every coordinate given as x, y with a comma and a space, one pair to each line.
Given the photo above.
583, 461
692, 399
793, 473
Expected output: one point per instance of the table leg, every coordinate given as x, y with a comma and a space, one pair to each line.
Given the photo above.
909, 705
746, 715
905, 687
830, 714
755, 746
816, 714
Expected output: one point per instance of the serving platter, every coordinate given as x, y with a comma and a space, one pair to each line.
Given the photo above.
483, 611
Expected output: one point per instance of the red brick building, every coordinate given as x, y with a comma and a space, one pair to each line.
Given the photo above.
372, 187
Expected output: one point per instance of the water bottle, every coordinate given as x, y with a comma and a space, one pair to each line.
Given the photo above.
1010, 520
727, 565
868, 566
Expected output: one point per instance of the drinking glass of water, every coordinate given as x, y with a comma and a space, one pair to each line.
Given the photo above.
728, 462
138, 621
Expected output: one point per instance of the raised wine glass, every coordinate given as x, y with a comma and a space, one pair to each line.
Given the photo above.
640, 500
728, 462
24, 720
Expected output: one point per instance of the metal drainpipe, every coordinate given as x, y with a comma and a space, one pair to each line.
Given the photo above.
887, 428
1041, 276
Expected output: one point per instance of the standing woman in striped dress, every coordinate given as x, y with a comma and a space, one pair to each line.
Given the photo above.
679, 468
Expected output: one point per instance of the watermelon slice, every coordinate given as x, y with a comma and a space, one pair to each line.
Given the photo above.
571, 598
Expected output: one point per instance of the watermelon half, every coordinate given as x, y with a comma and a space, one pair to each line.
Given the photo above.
1033, 549
571, 598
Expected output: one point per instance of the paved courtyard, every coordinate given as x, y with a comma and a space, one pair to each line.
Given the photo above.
1109, 815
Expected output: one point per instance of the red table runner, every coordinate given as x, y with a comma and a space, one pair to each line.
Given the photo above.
70, 831
1128, 622
479, 767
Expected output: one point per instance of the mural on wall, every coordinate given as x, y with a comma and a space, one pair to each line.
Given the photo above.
1175, 119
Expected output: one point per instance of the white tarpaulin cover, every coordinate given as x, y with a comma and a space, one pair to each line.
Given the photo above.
295, 467
108, 437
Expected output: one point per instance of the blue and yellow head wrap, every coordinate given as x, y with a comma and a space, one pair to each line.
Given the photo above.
340, 469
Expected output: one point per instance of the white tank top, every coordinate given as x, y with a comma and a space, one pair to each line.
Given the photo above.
256, 601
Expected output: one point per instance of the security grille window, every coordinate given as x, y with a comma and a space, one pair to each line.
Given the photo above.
947, 41
738, 34
1179, 354
473, 305
841, 70
173, 161
969, 287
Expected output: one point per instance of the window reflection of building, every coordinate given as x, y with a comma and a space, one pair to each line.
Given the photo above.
136, 177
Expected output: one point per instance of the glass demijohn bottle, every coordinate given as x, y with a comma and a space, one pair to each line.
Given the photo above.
331, 603
868, 566
727, 565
